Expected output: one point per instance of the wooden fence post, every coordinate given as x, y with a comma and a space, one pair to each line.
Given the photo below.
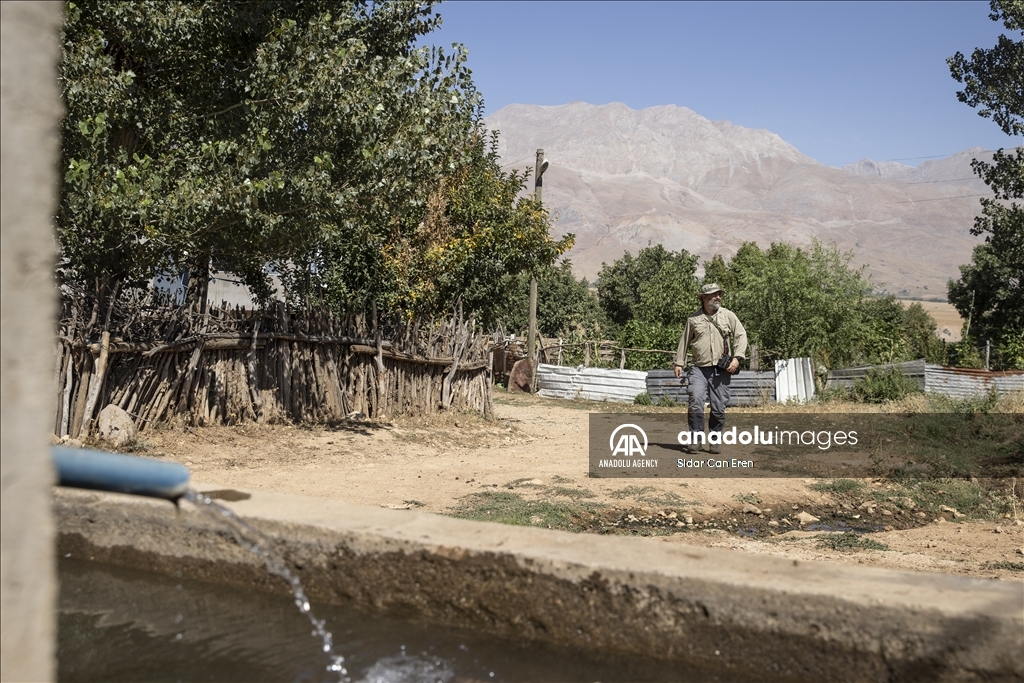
378, 361
254, 384
65, 397
96, 383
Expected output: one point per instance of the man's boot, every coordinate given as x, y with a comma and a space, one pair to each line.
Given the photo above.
714, 449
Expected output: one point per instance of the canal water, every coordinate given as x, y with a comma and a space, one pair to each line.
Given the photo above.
116, 624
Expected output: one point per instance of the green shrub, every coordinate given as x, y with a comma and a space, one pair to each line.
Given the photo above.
666, 402
1009, 566
833, 395
751, 498
1010, 352
965, 354
969, 498
880, 386
643, 399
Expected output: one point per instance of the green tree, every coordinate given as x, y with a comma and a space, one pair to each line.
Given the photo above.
656, 286
565, 305
796, 302
919, 330
990, 291
648, 298
670, 295
647, 334
892, 333
251, 133
811, 302
792, 302
715, 271
882, 339
473, 234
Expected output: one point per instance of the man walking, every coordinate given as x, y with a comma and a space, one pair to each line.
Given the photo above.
715, 360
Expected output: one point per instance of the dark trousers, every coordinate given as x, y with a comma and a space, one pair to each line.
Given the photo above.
711, 385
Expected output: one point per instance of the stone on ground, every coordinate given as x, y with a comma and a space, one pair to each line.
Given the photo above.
806, 517
117, 427
521, 378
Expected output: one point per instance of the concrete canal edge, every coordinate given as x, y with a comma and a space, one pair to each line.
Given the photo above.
722, 609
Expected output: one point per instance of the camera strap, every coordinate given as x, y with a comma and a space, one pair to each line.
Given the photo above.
726, 345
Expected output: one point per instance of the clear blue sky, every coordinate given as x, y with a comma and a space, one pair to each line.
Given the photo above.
840, 81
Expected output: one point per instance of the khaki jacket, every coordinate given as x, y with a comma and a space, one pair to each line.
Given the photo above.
703, 341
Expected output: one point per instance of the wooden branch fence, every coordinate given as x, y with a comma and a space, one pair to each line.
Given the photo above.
227, 366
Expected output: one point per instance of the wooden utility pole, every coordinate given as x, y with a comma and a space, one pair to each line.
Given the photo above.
538, 185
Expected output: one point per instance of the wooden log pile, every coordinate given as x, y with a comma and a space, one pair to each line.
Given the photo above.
227, 366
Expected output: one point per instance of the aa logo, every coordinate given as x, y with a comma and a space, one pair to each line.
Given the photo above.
628, 443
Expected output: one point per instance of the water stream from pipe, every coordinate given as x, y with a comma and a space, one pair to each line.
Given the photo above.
257, 542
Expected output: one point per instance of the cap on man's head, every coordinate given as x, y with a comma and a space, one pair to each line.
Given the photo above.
711, 289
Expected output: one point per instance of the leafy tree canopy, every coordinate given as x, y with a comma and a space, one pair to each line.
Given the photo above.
990, 291
811, 302
565, 305
657, 285
796, 302
476, 232
792, 301
252, 133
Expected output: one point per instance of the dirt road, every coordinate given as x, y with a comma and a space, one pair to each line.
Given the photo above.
529, 466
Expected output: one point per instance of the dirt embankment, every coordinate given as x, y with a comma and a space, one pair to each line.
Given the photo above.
529, 466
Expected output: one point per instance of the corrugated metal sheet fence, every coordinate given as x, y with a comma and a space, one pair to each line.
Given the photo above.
592, 384
745, 389
952, 382
794, 380
967, 383
845, 377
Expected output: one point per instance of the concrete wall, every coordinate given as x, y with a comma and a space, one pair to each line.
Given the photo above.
30, 109
753, 617
224, 287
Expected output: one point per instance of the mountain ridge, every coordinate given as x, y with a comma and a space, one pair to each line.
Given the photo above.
621, 178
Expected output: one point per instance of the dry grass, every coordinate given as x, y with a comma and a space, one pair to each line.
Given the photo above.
916, 403
1011, 403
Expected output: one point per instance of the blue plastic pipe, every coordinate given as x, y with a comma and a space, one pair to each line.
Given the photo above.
85, 469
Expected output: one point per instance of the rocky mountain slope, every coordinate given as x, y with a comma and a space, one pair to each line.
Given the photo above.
620, 179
